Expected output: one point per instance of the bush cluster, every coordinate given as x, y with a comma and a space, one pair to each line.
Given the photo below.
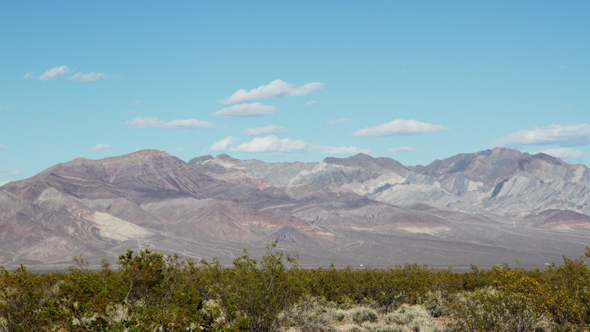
151, 292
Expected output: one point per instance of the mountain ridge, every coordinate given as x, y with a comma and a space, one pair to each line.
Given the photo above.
351, 210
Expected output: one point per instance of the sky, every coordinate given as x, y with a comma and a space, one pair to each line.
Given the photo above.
276, 81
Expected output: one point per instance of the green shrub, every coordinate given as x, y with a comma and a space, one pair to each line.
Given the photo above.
488, 309
26, 304
356, 328
339, 315
257, 289
361, 315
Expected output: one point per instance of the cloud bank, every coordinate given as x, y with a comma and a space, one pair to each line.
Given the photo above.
91, 77
564, 153
99, 147
565, 136
155, 123
9, 171
275, 89
56, 72
259, 131
52, 74
273, 144
400, 127
253, 109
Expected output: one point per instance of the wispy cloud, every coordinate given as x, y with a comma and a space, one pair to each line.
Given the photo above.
155, 123
253, 109
561, 67
9, 171
272, 129
135, 103
275, 89
568, 135
4, 108
53, 73
309, 103
331, 150
400, 127
273, 144
56, 72
564, 153
333, 122
400, 149
225, 144
90, 77
99, 147
2, 147
3, 183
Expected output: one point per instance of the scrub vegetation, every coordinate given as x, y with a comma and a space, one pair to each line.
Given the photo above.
152, 292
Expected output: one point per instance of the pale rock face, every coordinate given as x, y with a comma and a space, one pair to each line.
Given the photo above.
499, 181
117, 229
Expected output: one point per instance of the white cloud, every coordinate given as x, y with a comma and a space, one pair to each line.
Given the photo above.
29, 76
400, 127
309, 103
400, 149
225, 144
333, 122
273, 145
149, 122
3, 183
135, 103
9, 171
90, 77
564, 153
568, 135
253, 109
272, 129
2, 147
269, 143
275, 89
53, 73
341, 150
4, 108
99, 147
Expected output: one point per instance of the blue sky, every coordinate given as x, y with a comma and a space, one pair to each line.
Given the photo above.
302, 80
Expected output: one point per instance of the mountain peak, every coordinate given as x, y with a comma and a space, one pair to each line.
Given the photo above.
360, 157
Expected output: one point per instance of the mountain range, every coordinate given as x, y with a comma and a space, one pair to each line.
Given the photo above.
484, 208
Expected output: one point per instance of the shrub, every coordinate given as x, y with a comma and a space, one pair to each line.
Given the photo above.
339, 315
355, 328
487, 309
24, 304
361, 315
257, 289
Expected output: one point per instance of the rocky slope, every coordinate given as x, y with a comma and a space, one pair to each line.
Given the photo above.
484, 208
501, 182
